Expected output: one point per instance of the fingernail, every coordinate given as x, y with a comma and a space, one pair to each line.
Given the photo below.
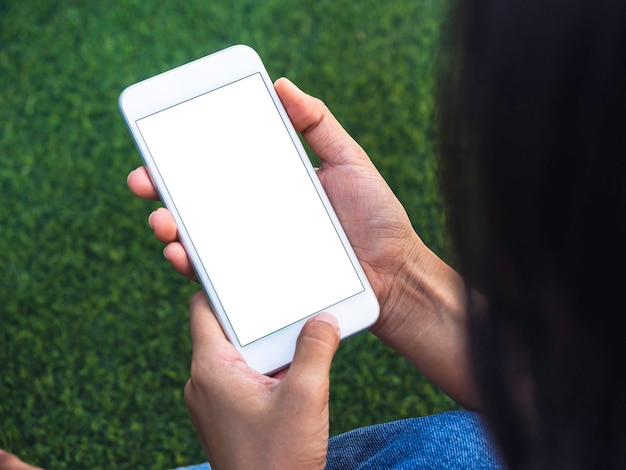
165, 253
330, 319
150, 219
291, 83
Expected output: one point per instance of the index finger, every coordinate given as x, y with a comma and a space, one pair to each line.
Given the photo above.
140, 184
312, 118
209, 342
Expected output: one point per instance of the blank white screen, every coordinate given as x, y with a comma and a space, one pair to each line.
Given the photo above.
247, 202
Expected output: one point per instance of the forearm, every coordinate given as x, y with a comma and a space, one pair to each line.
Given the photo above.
425, 319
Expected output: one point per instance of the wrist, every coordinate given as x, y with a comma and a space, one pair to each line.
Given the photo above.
424, 318
424, 289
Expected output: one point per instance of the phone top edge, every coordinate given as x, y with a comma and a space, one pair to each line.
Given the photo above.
143, 97
242, 47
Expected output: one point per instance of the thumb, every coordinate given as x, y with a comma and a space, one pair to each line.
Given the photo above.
315, 349
312, 118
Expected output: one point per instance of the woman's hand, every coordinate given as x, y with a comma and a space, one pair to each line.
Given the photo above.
248, 420
10, 461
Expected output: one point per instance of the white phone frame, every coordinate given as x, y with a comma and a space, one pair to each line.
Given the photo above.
273, 352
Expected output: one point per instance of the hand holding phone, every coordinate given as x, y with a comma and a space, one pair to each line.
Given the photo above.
410, 281
258, 228
247, 420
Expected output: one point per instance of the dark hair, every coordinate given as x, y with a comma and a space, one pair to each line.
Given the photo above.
533, 172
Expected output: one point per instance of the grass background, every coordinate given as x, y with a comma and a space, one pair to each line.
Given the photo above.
94, 347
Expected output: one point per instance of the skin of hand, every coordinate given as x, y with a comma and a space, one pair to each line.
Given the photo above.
10, 461
423, 301
248, 420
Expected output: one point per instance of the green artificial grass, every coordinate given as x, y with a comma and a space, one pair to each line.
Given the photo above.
94, 346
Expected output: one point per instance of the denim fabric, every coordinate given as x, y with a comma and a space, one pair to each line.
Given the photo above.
454, 439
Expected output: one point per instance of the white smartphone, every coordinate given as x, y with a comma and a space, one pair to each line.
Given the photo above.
259, 230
